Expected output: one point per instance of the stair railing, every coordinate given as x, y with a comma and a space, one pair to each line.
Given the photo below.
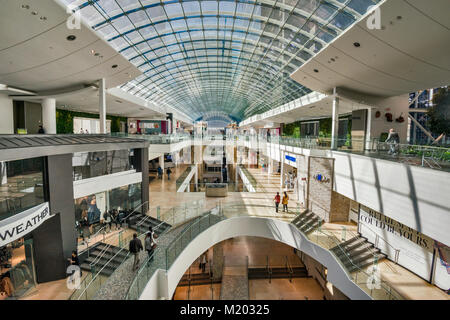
93, 237
97, 259
84, 292
289, 269
268, 269
377, 242
134, 210
211, 279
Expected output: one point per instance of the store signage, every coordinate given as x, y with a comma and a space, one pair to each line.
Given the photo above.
321, 178
413, 249
22, 223
290, 158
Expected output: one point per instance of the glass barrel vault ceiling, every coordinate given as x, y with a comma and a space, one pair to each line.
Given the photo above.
229, 56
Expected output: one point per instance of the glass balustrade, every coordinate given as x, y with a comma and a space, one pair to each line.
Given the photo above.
165, 255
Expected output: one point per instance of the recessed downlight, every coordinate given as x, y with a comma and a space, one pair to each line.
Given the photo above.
43, 18
34, 13
71, 37
316, 71
357, 44
114, 66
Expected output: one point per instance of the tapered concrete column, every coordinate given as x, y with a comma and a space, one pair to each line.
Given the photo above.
6, 127
335, 122
102, 105
7, 112
196, 177
368, 145
49, 115
281, 171
161, 162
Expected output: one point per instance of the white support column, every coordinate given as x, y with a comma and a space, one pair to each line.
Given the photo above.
161, 162
335, 121
368, 138
102, 105
49, 115
281, 170
196, 177
7, 112
6, 127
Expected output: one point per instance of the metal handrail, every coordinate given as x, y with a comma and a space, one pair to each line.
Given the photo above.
96, 275
269, 269
97, 259
289, 269
124, 219
95, 234
378, 237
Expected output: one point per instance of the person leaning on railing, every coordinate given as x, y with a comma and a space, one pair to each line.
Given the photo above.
393, 140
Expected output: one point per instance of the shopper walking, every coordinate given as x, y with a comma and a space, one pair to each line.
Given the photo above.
168, 173
150, 242
277, 201
135, 248
160, 172
203, 262
285, 202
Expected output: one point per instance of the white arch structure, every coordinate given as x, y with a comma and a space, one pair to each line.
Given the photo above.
163, 283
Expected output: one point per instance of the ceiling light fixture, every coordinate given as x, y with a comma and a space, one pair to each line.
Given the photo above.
114, 66
316, 71
25, 6
71, 37
92, 51
34, 13
357, 44
43, 18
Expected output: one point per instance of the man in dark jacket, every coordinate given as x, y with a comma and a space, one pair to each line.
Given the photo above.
135, 248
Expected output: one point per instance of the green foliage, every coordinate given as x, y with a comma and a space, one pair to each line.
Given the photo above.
325, 128
64, 120
292, 129
439, 114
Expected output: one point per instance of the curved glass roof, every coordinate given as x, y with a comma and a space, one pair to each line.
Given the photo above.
229, 56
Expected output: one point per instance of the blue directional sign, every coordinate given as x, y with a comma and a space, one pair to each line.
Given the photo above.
290, 158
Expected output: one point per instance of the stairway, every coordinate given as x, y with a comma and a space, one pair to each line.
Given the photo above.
277, 273
101, 253
307, 222
357, 253
150, 221
197, 279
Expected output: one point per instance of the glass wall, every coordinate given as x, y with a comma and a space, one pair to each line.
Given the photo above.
17, 273
94, 164
118, 203
21, 185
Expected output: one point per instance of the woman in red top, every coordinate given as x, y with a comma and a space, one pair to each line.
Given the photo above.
277, 201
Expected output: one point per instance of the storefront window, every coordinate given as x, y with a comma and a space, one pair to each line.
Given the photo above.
21, 185
90, 211
93, 164
17, 275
